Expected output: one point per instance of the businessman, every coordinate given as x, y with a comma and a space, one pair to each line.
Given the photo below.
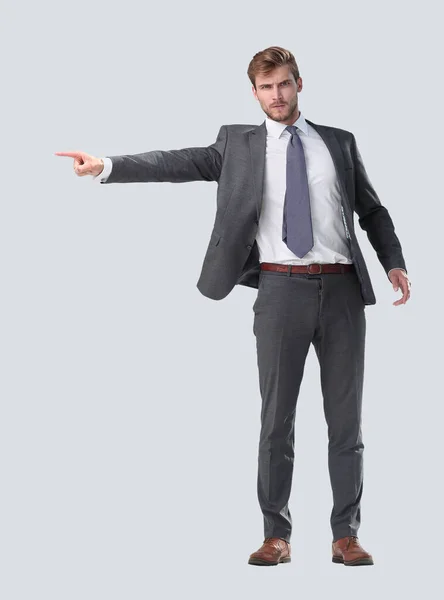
284, 224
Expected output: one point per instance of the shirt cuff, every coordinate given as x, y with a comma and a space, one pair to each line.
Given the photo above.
107, 168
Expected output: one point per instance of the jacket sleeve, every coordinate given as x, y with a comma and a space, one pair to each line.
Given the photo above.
174, 166
374, 218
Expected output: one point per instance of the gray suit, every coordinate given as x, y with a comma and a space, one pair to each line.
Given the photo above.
236, 161
292, 311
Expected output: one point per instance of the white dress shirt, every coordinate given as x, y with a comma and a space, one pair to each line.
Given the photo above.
330, 241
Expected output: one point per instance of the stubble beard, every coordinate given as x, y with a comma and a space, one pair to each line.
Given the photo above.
277, 116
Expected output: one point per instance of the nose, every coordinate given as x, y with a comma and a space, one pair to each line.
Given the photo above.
277, 95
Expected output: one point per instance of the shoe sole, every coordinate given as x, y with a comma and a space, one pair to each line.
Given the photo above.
263, 563
358, 562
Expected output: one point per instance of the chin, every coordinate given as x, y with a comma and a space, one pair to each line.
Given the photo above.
282, 117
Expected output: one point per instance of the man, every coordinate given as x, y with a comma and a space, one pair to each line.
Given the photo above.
286, 194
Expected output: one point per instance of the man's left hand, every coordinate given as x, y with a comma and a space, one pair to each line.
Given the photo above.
400, 280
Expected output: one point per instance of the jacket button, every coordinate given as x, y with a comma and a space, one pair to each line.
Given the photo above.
248, 247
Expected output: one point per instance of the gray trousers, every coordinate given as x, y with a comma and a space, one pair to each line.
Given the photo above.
290, 313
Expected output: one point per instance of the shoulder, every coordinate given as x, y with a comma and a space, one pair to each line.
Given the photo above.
338, 131
239, 127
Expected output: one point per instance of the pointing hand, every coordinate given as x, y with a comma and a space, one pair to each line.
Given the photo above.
84, 164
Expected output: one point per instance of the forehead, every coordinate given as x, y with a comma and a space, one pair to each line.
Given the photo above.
276, 76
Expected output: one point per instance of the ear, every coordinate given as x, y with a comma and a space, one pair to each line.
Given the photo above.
299, 84
254, 92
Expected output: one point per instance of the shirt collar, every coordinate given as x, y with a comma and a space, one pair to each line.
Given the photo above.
275, 128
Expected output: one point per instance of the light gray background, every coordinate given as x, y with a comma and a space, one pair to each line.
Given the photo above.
130, 402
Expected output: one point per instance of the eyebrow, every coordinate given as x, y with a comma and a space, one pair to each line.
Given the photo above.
283, 81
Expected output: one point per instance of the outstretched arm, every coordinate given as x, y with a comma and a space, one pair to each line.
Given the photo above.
175, 166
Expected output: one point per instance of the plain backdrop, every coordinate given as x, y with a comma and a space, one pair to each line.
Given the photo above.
130, 403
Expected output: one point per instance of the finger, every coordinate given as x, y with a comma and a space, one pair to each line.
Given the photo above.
70, 154
402, 300
405, 289
398, 302
83, 170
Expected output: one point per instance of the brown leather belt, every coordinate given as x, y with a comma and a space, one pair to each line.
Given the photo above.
313, 268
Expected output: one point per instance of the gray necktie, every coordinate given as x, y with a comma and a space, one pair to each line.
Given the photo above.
297, 230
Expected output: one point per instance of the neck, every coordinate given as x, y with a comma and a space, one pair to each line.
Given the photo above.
293, 117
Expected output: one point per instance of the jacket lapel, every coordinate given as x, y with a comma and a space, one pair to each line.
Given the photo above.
258, 142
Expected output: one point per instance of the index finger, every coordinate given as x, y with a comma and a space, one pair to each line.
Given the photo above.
71, 154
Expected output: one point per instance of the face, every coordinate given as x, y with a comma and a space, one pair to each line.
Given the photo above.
277, 94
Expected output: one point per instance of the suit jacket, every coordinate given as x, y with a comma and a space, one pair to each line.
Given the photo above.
236, 161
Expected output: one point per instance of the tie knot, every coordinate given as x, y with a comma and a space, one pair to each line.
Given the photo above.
292, 129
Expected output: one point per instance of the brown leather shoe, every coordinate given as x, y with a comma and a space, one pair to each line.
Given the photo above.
348, 551
272, 552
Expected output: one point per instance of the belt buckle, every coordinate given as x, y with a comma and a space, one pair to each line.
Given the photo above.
314, 273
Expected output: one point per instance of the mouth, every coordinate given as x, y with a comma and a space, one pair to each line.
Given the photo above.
278, 106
